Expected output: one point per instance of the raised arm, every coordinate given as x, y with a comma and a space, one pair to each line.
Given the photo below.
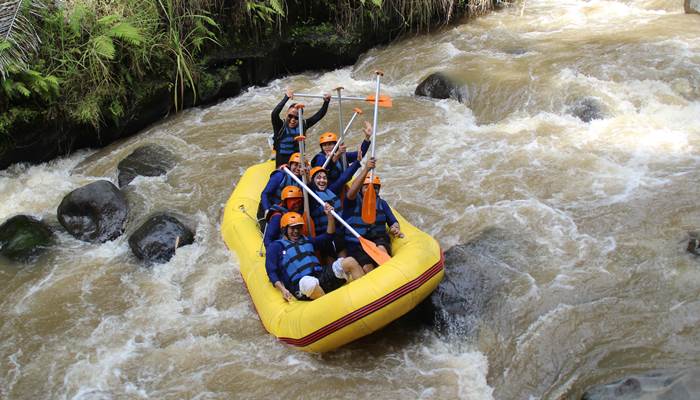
359, 180
308, 123
337, 186
277, 122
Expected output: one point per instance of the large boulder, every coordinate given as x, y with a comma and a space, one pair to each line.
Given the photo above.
692, 6
147, 160
440, 86
156, 239
657, 385
94, 213
587, 109
23, 238
471, 281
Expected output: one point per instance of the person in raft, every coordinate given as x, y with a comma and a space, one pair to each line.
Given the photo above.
272, 193
335, 168
376, 232
294, 269
284, 131
330, 194
292, 200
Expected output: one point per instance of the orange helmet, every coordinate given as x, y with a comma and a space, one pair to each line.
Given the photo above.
291, 219
314, 170
296, 157
328, 137
291, 192
375, 181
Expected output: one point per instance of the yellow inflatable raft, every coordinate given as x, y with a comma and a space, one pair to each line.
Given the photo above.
348, 313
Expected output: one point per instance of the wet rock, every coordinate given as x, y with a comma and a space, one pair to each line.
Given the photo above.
692, 6
147, 160
94, 213
657, 385
23, 238
156, 239
441, 86
470, 283
587, 109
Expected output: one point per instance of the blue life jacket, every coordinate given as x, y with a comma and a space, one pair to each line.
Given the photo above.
286, 181
287, 144
298, 260
320, 218
378, 228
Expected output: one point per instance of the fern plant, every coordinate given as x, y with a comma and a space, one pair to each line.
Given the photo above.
18, 38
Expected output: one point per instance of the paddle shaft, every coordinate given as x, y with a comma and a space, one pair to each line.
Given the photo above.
340, 126
340, 141
374, 124
321, 202
320, 96
302, 148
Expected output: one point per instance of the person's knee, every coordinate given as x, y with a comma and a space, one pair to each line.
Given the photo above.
367, 268
352, 267
310, 287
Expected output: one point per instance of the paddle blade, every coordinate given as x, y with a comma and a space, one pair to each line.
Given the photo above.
369, 206
384, 101
373, 251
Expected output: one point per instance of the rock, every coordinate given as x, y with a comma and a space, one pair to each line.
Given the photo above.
148, 160
94, 213
23, 238
655, 385
441, 86
470, 282
156, 239
692, 6
587, 109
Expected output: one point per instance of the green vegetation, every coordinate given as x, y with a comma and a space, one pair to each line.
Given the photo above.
86, 62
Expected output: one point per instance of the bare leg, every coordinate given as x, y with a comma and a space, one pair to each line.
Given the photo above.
367, 268
382, 248
318, 292
352, 268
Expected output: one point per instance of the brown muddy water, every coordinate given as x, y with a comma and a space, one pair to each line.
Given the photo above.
603, 208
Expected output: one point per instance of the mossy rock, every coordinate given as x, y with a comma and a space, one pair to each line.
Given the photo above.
23, 238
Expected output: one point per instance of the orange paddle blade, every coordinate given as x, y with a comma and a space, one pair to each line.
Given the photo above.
373, 251
369, 206
384, 101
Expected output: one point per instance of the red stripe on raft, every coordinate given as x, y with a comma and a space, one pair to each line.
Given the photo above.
369, 308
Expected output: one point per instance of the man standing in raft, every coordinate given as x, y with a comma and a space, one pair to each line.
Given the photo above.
294, 269
376, 232
285, 131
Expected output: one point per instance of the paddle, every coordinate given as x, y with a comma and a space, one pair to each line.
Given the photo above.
310, 229
369, 200
384, 101
367, 245
340, 123
356, 111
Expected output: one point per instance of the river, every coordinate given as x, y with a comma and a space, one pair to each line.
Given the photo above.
601, 210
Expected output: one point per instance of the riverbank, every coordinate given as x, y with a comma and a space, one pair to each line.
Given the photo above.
104, 72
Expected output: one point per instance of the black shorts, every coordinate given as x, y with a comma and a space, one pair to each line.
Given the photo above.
331, 249
362, 258
326, 278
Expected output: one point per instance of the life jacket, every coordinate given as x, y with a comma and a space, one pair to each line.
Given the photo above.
320, 218
298, 260
276, 209
286, 142
378, 228
335, 169
286, 181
